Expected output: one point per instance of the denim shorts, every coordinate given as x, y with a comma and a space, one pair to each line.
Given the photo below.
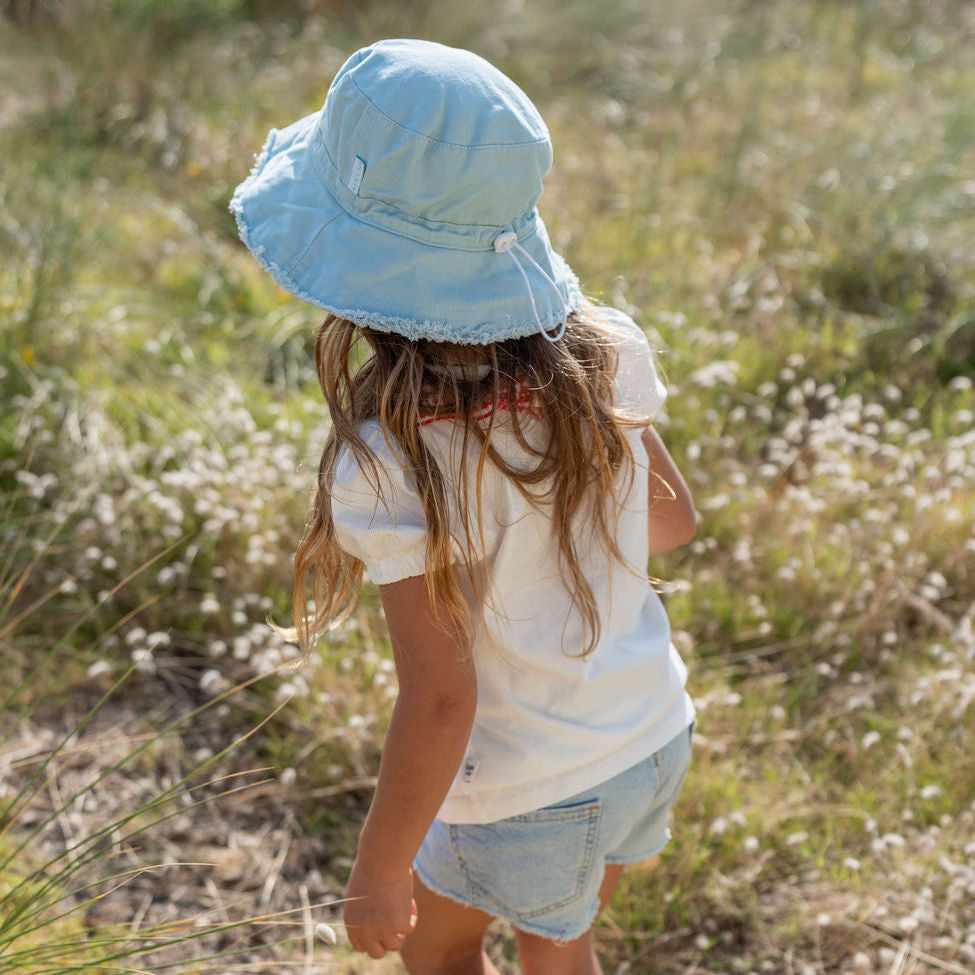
542, 870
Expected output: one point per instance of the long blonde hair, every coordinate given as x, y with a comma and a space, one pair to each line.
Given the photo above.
402, 383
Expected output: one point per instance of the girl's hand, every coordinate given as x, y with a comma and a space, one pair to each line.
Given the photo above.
379, 911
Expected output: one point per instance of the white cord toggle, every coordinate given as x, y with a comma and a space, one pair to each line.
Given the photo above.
504, 244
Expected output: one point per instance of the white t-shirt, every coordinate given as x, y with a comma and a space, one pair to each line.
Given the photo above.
549, 723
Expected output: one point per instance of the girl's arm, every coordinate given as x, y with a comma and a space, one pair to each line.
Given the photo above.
672, 520
424, 747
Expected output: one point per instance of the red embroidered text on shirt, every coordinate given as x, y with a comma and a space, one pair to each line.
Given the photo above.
523, 404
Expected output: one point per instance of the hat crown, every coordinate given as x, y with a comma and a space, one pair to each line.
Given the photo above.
389, 206
433, 133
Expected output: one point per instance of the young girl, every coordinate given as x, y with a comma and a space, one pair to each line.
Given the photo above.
491, 465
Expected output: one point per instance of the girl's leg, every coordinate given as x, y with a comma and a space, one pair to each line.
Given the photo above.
448, 938
541, 956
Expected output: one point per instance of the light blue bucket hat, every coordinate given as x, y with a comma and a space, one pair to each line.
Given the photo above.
408, 203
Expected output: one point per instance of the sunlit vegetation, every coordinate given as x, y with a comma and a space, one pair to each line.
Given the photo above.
781, 192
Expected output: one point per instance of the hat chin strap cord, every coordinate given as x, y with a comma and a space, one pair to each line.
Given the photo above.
506, 243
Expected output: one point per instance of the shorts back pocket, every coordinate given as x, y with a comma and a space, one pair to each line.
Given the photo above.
528, 865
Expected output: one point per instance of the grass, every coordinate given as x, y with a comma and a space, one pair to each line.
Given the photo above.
76, 819
780, 192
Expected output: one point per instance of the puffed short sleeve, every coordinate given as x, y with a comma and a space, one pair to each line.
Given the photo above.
379, 520
639, 389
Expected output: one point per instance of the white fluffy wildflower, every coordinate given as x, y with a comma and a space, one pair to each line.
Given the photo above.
719, 372
326, 933
213, 683
285, 692
167, 573
136, 635
144, 661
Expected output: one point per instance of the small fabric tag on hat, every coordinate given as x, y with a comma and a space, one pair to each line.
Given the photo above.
358, 171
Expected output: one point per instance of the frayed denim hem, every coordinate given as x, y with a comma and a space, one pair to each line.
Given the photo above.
628, 861
528, 927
